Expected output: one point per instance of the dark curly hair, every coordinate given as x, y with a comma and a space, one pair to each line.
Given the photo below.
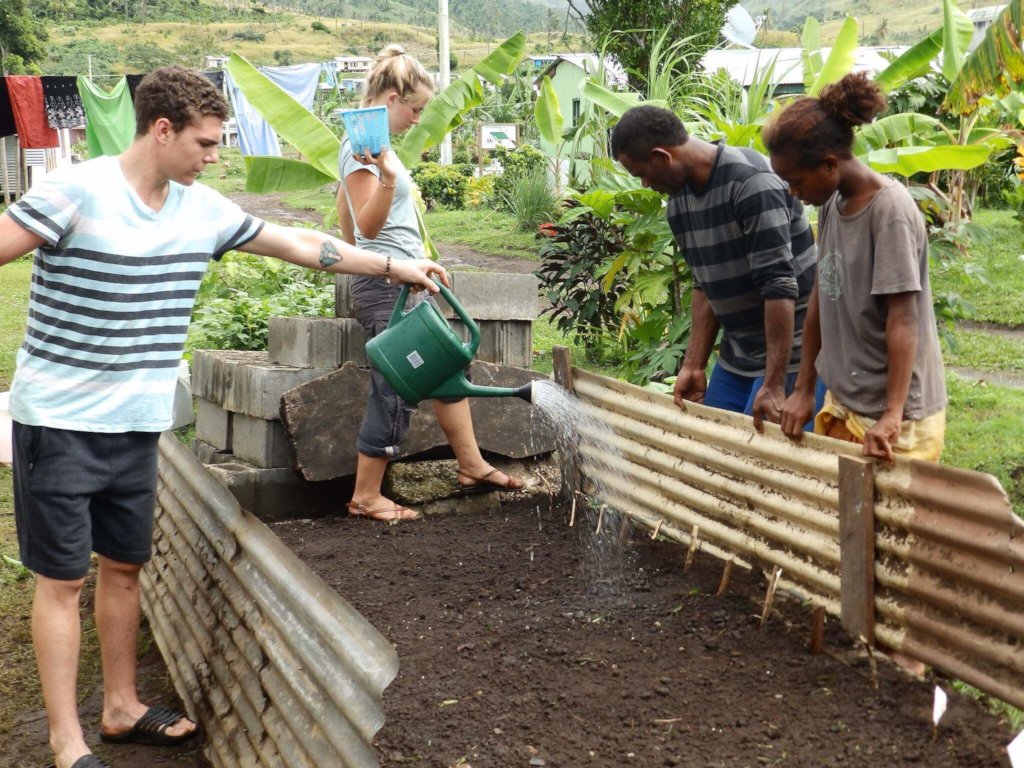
178, 94
810, 128
642, 128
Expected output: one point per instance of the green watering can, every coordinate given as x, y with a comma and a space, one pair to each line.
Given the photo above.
423, 358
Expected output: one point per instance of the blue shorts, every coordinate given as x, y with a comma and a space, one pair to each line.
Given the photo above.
82, 492
732, 392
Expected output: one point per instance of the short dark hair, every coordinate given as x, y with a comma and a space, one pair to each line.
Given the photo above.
642, 128
181, 95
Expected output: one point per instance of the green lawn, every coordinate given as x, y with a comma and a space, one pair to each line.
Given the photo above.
1002, 257
483, 230
984, 351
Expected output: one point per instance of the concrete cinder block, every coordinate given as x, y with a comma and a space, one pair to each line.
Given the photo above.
484, 295
316, 342
494, 295
213, 425
246, 382
505, 342
209, 454
260, 442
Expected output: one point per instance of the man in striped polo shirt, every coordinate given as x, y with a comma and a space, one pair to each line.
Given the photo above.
121, 245
751, 253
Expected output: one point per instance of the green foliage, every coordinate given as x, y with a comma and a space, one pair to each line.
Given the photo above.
577, 252
240, 293
74, 56
641, 21
484, 230
533, 200
442, 186
283, 57
145, 57
22, 37
319, 26
249, 35
515, 164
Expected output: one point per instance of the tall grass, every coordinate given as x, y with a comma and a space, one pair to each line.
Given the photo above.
532, 200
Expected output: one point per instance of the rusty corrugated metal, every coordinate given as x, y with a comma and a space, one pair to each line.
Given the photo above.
949, 552
278, 669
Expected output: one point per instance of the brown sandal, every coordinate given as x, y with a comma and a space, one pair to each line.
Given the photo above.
393, 514
483, 485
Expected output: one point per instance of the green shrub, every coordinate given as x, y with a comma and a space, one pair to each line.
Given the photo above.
442, 186
532, 200
481, 192
573, 258
240, 293
319, 26
515, 164
249, 35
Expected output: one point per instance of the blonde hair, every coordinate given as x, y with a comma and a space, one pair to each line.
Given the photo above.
395, 70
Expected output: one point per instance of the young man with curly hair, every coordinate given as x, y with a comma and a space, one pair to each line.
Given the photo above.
121, 244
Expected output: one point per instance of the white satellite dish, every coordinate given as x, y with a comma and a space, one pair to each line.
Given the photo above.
739, 27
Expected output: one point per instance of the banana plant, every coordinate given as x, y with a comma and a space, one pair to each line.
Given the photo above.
318, 144
994, 65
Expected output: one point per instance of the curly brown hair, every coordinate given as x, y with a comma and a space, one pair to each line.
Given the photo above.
178, 94
810, 128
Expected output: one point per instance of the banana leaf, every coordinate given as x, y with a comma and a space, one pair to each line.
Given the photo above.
906, 161
840, 58
293, 122
898, 128
445, 110
953, 50
810, 39
994, 65
611, 101
918, 59
282, 174
548, 114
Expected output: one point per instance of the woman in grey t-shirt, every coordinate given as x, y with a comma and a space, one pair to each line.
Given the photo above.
870, 326
376, 210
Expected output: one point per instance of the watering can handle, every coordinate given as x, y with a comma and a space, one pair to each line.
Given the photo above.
474, 331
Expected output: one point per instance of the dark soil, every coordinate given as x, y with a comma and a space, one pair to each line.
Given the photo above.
518, 647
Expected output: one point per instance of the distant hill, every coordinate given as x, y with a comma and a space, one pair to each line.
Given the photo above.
882, 22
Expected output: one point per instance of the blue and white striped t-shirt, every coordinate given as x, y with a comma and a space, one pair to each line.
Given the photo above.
112, 294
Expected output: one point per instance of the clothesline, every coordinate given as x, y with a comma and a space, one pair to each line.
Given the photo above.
34, 107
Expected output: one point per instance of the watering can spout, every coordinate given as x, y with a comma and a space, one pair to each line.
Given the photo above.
526, 393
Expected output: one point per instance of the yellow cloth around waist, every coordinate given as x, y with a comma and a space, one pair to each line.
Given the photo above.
920, 439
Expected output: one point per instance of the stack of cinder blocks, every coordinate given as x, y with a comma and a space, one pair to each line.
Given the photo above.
238, 394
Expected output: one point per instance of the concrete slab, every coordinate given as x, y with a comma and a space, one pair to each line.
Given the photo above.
213, 424
261, 442
316, 342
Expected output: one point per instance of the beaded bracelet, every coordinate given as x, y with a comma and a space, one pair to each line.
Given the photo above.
387, 270
387, 186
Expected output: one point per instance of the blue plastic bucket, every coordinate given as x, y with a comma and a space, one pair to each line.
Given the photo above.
367, 128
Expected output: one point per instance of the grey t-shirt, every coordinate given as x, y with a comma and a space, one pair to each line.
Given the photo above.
400, 235
880, 250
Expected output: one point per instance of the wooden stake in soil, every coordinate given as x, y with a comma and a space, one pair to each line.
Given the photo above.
872, 663
600, 520
769, 598
694, 543
726, 575
817, 642
657, 528
572, 512
857, 546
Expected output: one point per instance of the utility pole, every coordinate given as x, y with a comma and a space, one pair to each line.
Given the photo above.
445, 69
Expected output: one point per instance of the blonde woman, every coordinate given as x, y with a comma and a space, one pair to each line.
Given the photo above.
376, 211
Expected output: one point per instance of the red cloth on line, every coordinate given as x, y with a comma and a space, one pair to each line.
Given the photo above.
34, 131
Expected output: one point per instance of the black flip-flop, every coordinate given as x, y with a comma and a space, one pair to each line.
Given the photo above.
151, 730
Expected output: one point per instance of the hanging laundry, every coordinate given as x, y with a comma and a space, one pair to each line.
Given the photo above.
7, 127
110, 117
63, 104
298, 81
133, 84
255, 136
216, 76
329, 75
26, 92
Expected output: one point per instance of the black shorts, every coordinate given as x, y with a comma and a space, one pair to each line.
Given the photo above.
82, 492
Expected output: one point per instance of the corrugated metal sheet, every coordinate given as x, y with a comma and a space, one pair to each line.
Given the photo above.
278, 669
948, 550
